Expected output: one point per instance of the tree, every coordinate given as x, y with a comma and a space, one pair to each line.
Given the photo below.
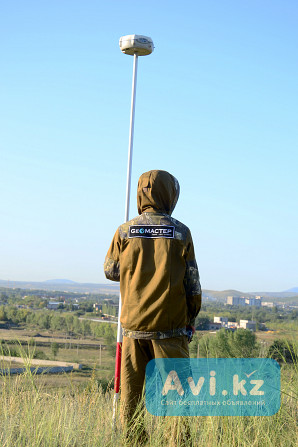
55, 348
76, 325
57, 322
3, 297
227, 344
21, 315
108, 332
2, 314
84, 327
283, 351
219, 345
69, 320
97, 329
204, 347
11, 313
243, 343
44, 320
202, 323
193, 346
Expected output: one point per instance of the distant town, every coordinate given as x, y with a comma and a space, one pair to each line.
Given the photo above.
100, 303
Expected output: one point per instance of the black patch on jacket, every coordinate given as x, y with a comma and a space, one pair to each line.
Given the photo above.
151, 231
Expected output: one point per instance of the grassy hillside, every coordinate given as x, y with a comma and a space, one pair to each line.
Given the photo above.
273, 297
34, 416
75, 409
222, 295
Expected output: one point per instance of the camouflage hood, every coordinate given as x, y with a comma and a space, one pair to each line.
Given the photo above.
157, 191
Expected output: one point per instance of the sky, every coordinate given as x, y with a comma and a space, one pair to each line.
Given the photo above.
216, 105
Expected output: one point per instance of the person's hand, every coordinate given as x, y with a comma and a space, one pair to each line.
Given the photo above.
190, 331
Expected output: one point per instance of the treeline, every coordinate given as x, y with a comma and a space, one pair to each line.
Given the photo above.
39, 299
18, 293
226, 344
51, 320
241, 344
261, 315
109, 309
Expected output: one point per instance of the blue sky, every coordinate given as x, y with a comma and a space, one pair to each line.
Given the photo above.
216, 106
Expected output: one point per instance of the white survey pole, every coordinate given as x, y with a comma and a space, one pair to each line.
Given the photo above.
131, 130
129, 164
135, 46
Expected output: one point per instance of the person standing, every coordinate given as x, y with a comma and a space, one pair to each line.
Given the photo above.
153, 257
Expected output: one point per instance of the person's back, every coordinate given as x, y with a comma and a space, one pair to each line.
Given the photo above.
158, 274
153, 258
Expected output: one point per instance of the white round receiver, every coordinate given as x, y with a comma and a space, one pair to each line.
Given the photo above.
136, 44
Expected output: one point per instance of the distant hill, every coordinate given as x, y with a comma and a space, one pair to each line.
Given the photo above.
63, 285
60, 281
293, 290
67, 285
222, 295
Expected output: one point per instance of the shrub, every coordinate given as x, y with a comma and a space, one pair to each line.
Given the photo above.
283, 351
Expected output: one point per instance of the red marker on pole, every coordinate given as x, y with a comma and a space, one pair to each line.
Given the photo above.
134, 45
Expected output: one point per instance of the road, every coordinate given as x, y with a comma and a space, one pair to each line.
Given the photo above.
98, 321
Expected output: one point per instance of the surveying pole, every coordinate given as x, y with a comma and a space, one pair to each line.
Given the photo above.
134, 45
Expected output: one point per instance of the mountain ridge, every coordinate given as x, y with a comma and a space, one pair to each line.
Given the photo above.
66, 285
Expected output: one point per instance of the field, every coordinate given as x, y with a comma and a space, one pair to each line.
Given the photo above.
96, 359
32, 415
75, 409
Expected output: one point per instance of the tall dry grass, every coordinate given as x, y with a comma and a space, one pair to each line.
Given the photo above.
32, 416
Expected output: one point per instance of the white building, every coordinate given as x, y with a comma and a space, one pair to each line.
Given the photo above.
254, 301
53, 305
267, 304
222, 320
246, 324
244, 301
236, 301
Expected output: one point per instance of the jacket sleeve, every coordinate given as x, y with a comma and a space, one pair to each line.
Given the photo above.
112, 261
192, 283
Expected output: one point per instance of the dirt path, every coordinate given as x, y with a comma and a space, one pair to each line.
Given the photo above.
39, 362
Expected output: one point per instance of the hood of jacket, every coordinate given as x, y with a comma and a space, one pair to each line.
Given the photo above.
158, 191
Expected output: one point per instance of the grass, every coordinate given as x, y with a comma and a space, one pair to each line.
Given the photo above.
75, 410
33, 415
25, 333
71, 350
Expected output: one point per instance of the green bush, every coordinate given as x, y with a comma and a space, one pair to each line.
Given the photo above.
283, 351
40, 355
226, 344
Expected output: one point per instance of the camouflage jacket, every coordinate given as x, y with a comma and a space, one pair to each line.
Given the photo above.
153, 257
